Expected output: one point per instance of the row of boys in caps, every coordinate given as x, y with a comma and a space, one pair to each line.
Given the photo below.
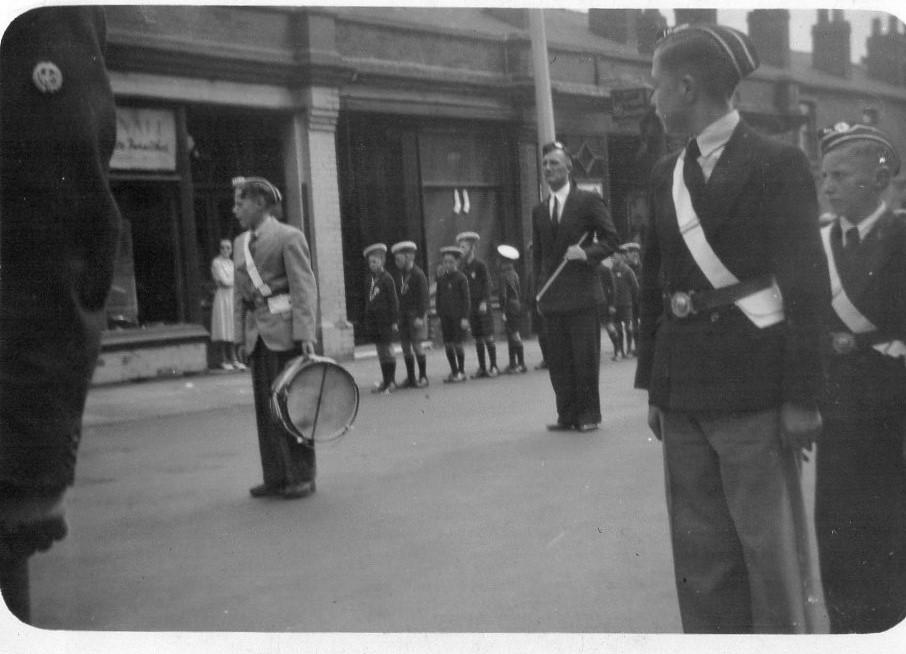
398, 303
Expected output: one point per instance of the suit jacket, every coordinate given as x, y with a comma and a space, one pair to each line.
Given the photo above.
578, 286
58, 239
867, 382
759, 212
283, 260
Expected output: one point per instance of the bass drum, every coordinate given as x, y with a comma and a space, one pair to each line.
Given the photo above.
315, 399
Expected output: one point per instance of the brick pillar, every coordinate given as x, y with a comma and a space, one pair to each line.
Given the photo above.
312, 163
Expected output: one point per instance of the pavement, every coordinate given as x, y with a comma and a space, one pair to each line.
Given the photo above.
446, 511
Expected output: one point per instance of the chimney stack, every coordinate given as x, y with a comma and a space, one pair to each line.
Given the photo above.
689, 16
620, 25
831, 48
769, 30
885, 57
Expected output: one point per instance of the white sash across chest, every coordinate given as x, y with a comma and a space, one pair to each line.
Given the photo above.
252, 269
854, 319
765, 307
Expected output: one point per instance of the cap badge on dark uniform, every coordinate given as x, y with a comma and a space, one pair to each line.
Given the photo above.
735, 46
47, 77
843, 133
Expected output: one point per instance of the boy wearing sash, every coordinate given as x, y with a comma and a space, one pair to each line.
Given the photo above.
860, 512
733, 286
275, 295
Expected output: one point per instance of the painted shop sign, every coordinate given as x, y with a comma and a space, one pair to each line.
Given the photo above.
628, 103
145, 140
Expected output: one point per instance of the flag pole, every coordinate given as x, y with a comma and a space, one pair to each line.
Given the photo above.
543, 103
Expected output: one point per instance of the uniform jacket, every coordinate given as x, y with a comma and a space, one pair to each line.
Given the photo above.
476, 271
58, 238
760, 216
626, 286
381, 303
452, 297
283, 260
866, 382
413, 294
578, 286
510, 294
609, 286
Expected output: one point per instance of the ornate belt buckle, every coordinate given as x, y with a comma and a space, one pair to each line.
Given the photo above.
843, 342
681, 304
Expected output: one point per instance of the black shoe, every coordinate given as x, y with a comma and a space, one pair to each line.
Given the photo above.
481, 373
264, 490
408, 383
559, 426
300, 490
587, 427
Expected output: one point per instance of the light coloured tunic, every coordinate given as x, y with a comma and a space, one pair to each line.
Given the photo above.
222, 310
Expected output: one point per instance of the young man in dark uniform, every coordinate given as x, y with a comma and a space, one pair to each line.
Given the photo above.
511, 307
452, 304
274, 300
608, 310
58, 243
860, 503
381, 315
412, 289
734, 283
481, 320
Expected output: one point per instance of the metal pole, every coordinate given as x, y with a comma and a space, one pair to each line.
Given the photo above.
543, 103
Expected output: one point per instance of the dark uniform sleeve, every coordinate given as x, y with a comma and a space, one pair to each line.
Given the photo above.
608, 240
58, 238
393, 301
421, 291
800, 267
466, 300
651, 303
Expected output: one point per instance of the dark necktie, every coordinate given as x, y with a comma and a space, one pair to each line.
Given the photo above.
555, 218
692, 173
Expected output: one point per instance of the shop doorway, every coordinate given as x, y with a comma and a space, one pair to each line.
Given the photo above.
149, 211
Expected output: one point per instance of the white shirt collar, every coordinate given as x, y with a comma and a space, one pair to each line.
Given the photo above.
865, 226
716, 135
560, 194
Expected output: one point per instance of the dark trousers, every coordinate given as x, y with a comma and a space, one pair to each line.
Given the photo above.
737, 523
573, 353
860, 522
284, 461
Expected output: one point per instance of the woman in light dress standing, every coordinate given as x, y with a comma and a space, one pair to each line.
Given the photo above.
222, 331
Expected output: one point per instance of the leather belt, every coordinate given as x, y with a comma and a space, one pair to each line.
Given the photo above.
682, 304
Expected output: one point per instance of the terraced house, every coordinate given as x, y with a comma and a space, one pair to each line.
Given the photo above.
382, 124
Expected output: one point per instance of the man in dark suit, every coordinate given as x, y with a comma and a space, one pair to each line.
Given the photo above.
733, 287
275, 299
571, 227
58, 240
860, 501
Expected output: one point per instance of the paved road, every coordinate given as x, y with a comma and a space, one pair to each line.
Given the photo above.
449, 509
